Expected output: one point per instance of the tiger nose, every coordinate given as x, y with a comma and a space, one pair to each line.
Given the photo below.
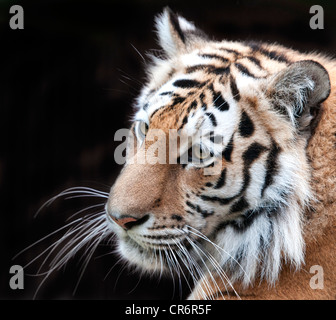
128, 222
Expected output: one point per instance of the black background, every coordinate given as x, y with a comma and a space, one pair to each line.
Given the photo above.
67, 83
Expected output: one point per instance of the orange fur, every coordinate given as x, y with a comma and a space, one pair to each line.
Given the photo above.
320, 218
164, 190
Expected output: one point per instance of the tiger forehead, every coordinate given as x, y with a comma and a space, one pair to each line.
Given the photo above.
189, 78
204, 76
199, 99
222, 59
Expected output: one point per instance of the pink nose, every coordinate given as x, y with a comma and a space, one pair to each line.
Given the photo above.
129, 222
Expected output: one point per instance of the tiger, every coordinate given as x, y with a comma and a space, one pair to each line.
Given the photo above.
256, 227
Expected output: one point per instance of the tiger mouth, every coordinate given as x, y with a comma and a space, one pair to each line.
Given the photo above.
152, 243
159, 242
161, 256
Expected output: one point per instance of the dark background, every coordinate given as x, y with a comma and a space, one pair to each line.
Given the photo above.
67, 83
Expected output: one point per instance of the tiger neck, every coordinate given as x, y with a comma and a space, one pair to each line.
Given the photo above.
259, 241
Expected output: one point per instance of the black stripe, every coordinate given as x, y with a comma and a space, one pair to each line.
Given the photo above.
176, 217
219, 71
212, 136
188, 211
254, 45
246, 220
255, 61
222, 201
274, 55
225, 201
210, 165
250, 215
206, 213
228, 150
158, 237
246, 126
221, 181
239, 206
214, 56
271, 166
203, 212
157, 110
250, 155
253, 152
234, 89
190, 205
271, 54
230, 51
188, 83
192, 106
176, 25
212, 118
166, 93
246, 181
177, 100
219, 102
184, 121
197, 68
244, 70
220, 227
201, 96
208, 69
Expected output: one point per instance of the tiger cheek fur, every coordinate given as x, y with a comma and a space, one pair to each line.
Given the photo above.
237, 213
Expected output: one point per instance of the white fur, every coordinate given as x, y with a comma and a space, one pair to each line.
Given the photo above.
262, 247
166, 35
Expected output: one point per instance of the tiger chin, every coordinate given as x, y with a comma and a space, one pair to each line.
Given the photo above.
254, 228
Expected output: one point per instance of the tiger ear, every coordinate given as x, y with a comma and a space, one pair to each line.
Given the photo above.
298, 91
175, 34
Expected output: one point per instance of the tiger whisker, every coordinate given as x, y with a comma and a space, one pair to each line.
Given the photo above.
85, 209
193, 265
136, 285
88, 257
114, 265
169, 267
87, 234
196, 248
201, 235
44, 238
211, 258
138, 52
186, 261
55, 245
93, 229
219, 270
85, 191
177, 268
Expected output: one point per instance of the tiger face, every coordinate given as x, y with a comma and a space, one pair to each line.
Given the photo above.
240, 115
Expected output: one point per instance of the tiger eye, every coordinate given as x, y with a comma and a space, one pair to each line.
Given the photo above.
200, 153
143, 128
197, 153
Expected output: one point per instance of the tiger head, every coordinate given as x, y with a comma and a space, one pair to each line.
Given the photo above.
241, 115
